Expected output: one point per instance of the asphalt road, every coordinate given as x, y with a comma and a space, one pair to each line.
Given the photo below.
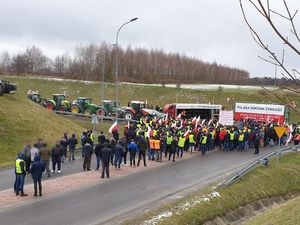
106, 202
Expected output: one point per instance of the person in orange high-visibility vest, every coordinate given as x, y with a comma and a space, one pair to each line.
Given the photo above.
152, 150
157, 148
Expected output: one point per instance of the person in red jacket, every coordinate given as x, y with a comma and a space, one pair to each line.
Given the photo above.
222, 136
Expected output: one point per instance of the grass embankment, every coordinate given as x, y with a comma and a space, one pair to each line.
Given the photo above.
287, 214
258, 184
154, 95
22, 120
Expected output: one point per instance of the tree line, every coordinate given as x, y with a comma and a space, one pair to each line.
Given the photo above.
92, 62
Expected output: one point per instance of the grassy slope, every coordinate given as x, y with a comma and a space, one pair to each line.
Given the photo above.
21, 120
154, 95
287, 214
259, 183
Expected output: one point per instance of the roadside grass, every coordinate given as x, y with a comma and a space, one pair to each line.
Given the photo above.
262, 182
154, 95
287, 213
21, 121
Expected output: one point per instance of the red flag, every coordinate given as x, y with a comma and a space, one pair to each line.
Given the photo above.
149, 132
186, 134
198, 120
113, 127
166, 118
160, 122
194, 120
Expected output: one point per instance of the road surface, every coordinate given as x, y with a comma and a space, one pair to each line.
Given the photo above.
105, 202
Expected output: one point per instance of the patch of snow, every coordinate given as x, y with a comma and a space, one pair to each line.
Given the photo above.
154, 220
183, 86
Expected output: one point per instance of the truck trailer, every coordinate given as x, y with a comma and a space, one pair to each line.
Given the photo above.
188, 110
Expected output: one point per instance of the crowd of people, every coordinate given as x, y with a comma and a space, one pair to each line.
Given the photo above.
149, 139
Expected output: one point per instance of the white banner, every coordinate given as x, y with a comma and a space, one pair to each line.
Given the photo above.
259, 108
226, 117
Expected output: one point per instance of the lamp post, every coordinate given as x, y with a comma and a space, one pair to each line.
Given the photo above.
116, 70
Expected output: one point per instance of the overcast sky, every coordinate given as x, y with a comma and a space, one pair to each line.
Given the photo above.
212, 31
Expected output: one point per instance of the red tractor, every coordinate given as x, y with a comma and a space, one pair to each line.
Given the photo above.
137, 109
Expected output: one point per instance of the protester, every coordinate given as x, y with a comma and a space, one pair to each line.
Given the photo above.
133, 149
64, 144
45, 154
119, 151
105, 155
20, 171
57, 153
37, 169
142, 146
27, 155
87, 154
34, 151
72, 146
98, 149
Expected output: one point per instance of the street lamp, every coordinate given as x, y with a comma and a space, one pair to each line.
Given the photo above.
116, 71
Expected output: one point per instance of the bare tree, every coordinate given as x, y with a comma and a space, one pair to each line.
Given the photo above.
288, 37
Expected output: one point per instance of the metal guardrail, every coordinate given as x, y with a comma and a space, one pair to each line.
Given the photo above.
254, 164
90, 116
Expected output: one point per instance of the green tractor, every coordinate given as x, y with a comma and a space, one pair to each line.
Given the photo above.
110, 108
59, 103
85, 106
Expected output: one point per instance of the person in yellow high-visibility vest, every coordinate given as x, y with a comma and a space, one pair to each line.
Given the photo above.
203, 143
241, 141
192, 142
20, 170
169, 142
181, 142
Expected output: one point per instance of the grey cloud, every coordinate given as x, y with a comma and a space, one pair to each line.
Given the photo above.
208, 30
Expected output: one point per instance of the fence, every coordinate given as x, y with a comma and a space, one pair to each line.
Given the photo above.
254, 164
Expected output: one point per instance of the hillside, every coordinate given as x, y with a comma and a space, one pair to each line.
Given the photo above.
22, 120
155, 95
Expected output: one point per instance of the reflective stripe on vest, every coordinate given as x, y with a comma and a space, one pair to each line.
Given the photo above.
191, 139
204, 140
18, 166
181, 142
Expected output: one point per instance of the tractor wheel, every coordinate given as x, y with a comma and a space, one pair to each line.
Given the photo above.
75, 109
50, 106
128, 116
87, 112
100, 112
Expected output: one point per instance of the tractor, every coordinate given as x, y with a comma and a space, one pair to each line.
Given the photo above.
6, 87
137, 109
84, 105
110, 108
34, 96
59, 103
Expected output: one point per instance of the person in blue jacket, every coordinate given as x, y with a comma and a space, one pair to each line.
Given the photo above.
133, 150
37, 169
